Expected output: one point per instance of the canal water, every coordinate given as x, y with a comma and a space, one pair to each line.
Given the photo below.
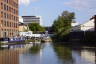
47, 53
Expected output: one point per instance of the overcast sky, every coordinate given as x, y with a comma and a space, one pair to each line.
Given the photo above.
50, 9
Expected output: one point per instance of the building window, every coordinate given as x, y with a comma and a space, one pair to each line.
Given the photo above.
4, 6
1, 5
1, 14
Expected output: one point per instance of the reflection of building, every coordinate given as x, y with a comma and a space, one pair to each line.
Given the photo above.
31, 19
8, 18
88, 55
9, 57
32, 57
84, 55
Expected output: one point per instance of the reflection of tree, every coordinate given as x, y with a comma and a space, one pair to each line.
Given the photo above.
35, 49
63, 53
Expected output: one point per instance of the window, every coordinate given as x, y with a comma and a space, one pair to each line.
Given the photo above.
1, 5
1, 14
4, 6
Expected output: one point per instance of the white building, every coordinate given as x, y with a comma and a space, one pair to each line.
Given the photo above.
88, 26
74, 23
75, 26
20, 19
32, 19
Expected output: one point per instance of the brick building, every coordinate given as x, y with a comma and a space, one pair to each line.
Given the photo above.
8, 18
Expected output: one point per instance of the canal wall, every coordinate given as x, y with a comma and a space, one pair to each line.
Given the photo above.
83, 37
76, 36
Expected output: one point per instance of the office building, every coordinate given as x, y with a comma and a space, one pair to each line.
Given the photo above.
32, 19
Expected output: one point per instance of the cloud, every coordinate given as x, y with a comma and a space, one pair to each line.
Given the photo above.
26, 2
84, 9
34, 0
81, 4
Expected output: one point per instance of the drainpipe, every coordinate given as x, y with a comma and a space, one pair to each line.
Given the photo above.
95, 22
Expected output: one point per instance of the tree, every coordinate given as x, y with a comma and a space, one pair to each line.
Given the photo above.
35, 27
62, 25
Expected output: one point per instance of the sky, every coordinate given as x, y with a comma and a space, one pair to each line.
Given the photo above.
51, 9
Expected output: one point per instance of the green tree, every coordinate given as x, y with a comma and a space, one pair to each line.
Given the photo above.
35, 27
62, 25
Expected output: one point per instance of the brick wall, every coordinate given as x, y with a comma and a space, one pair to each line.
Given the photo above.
8, 18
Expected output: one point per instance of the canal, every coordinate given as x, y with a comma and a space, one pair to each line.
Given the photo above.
47, 53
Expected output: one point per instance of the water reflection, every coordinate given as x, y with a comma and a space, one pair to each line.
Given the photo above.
64, 54
35, 49
11, 53
9, 57
32, 56
89, 55
47, 53
85, 56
